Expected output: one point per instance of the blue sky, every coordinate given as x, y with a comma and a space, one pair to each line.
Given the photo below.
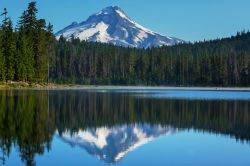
191, 20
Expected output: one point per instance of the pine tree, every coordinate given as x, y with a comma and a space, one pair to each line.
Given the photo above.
2, 59
30, 20
8, 46
2, 65
51, 42
36, 39
25, 59
41, 53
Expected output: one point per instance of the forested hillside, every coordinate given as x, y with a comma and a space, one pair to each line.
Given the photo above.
222, 62
31, 53
24, 51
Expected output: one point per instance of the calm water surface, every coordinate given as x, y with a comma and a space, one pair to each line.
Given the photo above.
124, 127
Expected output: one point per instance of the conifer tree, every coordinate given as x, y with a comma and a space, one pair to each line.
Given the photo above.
25, 65
51, 43
41, 53
2, 65
2, 59
8, 46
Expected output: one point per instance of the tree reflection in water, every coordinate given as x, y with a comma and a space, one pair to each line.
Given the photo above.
29, 119
25, 123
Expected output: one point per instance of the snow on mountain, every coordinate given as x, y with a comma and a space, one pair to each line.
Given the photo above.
112, 25
112, 144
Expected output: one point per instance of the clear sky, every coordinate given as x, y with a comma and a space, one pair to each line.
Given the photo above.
190, 20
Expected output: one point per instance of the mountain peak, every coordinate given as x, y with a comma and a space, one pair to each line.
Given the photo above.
111, 10
112, 25
74, 23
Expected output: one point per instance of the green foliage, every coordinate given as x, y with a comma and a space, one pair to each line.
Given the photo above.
25, 59
8, 46
2, 61
25, 53
222, 62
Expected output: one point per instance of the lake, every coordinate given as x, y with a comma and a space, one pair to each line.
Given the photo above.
124, 127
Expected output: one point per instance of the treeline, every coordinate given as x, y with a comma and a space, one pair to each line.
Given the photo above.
222, 62
24, 51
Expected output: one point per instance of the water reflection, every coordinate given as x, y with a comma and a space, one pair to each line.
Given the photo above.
111, 144
109, 125
24, 122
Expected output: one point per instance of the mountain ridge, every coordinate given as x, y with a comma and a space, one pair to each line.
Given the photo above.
112, 25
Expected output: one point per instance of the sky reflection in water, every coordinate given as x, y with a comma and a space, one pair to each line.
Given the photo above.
114, 127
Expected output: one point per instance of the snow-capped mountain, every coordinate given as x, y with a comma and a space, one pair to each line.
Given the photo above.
112, 25
112, 144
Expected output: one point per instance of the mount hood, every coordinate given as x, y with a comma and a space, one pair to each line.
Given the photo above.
112, 25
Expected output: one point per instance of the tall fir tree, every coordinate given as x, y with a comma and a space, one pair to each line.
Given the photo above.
41, 53
51, 48
8, 46
2, 59
2, 65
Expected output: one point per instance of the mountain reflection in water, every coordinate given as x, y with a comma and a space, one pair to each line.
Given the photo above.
109, 125
112, 144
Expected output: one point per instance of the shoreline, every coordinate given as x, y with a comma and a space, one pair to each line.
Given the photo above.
52, 86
